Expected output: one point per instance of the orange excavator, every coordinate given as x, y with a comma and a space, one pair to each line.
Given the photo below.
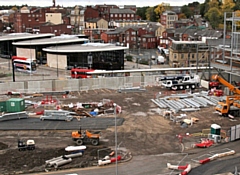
231, 106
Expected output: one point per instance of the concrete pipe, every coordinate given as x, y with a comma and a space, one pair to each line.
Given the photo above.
52, 163
103, 162
53, 159
62, 162
74, 155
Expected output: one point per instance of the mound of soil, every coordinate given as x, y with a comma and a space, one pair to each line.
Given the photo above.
3, 146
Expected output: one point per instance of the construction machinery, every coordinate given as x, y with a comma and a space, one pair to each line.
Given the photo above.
231, 87
230, 107
85, 137
187, 82
28, 145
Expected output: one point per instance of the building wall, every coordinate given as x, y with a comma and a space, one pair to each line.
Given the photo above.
55, 18
90, 13
121, 16
57, 61
26, 52
188, 57
25, 21
102, 23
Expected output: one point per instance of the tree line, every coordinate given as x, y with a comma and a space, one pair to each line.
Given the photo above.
211, 10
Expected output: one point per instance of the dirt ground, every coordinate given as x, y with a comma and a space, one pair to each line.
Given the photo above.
144, 132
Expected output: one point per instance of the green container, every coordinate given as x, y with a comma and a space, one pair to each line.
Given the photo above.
15, 105
3, 106
215, 129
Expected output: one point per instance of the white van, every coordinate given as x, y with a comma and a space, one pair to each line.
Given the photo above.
161, 59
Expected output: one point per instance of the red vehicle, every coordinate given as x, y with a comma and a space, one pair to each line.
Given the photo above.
81, 73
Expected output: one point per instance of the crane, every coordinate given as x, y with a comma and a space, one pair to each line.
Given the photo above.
230, 107
231, 87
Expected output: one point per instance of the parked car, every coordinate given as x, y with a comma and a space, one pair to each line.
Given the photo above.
57, 115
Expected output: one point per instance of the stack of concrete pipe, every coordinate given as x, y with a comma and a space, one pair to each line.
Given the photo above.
62, 160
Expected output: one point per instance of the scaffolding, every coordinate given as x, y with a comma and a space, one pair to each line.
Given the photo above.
230, 54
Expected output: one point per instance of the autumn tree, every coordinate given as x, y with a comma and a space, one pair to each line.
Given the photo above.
214, 16
159, 10
228, 6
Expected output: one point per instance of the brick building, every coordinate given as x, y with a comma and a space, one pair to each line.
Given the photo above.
90, 13
104, 10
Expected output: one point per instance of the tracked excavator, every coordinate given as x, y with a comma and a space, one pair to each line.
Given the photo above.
231, 106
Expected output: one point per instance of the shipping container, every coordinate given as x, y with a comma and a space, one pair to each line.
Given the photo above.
15, 105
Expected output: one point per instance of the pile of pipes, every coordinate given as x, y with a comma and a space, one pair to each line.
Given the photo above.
186, 102
62, 160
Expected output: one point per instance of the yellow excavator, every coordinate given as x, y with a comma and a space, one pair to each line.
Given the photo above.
231, 106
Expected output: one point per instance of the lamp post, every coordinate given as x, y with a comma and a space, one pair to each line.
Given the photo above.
116, 154
90, 60
57, 57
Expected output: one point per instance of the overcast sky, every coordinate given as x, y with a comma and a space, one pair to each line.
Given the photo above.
70, 3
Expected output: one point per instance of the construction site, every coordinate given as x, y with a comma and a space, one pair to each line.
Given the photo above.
151, 123
78, 129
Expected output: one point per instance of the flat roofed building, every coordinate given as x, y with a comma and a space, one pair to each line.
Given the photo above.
34, 48
103, 56
6, 46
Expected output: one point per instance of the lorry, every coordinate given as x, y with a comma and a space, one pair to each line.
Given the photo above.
187, 82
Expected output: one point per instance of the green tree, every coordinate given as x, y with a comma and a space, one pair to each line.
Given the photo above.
214, 17
151, 15
187, 11
141, 11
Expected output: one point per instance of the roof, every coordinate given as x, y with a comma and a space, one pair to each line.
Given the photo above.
20, 36
54, 40
123, 11
217, 42
88, 47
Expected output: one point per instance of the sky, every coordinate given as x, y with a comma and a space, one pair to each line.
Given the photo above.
72, 3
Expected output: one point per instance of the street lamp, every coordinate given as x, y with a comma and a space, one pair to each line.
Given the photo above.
115, 113
57, 57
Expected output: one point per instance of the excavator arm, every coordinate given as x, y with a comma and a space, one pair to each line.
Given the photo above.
231, 87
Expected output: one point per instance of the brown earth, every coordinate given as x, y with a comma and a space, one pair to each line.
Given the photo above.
143, 132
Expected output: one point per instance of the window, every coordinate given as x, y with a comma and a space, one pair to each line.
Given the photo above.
182, 55
111, 15
120, 15
29, 15
193, 55
116, 15
128, 15
124, 15
175, 56
132, 15
133, 33
33, 15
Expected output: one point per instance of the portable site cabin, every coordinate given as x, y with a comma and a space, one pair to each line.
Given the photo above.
15, 105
